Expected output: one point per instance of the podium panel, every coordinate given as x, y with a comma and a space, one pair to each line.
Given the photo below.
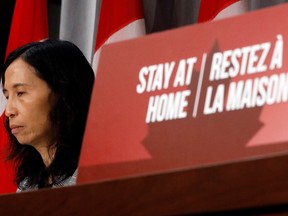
256, 187
198, 96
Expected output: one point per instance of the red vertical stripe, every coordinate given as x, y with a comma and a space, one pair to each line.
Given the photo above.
29, 23
6, 171
116, 14
209, 9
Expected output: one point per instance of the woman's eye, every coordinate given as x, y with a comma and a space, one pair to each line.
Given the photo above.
20, 93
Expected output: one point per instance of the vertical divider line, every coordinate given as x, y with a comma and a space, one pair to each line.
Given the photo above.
199, 86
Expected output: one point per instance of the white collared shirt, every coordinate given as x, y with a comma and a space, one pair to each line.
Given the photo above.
25, 185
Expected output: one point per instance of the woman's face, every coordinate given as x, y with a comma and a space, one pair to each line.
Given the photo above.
28, 105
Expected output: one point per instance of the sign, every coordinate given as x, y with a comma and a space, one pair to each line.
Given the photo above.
197, 96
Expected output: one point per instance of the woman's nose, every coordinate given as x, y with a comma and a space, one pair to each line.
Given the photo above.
10, 110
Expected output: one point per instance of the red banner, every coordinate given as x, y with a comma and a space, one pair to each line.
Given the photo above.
196, 96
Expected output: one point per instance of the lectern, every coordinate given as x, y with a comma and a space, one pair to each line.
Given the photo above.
187, 121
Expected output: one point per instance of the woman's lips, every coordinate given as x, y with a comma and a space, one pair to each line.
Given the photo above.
16, 129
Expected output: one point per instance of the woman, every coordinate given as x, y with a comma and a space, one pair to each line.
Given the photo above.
48, 87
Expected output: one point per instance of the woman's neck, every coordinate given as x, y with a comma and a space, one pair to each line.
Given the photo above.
47, 154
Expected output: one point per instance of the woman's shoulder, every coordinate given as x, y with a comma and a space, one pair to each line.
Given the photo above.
25, 185
68, 181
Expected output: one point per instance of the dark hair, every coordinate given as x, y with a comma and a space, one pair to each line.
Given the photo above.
67, 72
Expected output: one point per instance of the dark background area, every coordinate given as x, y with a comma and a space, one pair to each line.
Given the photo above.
54, 10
